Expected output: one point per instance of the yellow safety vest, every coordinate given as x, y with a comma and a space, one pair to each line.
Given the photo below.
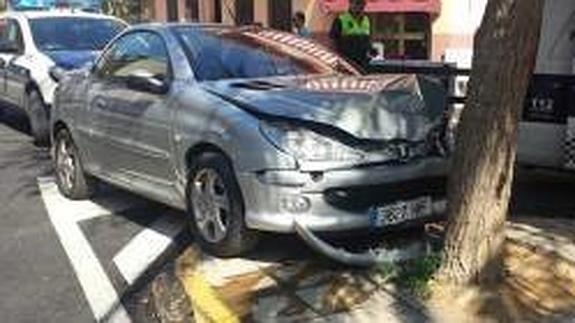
351, 27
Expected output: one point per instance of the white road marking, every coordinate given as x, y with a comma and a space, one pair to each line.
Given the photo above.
100, 293
83, 210
146, 247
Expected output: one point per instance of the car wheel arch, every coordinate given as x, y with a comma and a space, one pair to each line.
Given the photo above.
199, 149
32, 86
59, 126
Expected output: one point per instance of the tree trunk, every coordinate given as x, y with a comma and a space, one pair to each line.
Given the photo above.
505, 51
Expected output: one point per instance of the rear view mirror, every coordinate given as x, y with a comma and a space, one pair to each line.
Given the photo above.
9, 47
142, 80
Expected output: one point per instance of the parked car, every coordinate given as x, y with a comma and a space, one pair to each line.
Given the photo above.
249, 129
33, 42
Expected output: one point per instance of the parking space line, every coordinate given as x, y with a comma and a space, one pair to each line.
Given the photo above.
98, 289
146, 247
80, 210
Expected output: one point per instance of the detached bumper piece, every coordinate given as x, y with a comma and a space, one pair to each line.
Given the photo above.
366, 259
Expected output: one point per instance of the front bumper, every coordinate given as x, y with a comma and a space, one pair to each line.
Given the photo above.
338, 200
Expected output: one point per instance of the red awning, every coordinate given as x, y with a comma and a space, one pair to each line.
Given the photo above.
430, 6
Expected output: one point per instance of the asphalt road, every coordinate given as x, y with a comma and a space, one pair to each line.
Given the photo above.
37, 283
72, 262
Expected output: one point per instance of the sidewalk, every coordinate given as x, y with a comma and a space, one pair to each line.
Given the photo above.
539, 285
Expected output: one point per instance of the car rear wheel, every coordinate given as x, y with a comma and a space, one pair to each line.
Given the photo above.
38, 116
216, 207
70, 177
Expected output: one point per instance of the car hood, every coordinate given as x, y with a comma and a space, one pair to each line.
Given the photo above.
374, 107
68, 59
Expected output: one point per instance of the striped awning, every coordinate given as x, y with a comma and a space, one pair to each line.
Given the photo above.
429, 6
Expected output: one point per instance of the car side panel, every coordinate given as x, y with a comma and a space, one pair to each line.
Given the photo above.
17, 77
70, 109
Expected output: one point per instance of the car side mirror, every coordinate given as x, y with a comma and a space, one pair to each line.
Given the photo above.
9, 47
56, 73
145, 81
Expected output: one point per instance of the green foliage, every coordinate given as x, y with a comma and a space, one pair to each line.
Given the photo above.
414, 275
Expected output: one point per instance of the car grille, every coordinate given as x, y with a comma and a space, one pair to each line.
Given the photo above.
359, 198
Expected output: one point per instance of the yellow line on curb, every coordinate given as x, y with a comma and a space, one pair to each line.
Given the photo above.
206, 300
207, 304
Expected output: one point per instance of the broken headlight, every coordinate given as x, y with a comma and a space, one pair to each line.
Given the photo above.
307, 145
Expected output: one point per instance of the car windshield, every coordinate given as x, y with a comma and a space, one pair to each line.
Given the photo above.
73, 33
251, 52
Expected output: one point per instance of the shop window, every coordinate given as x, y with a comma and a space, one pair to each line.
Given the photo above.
244, 12
405, 36
172, 10
193, 10
218, 10
280, 14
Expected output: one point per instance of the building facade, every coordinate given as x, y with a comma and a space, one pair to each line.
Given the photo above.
403, 26
411, 29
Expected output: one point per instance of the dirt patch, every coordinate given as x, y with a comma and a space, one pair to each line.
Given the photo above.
539, 279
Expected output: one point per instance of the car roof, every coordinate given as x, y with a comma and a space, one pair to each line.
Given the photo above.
55, 13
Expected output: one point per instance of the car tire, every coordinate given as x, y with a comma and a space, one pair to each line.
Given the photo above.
38, 116
216, 207
71, 179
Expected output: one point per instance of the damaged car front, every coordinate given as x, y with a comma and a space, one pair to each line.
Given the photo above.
370, 152
367, 151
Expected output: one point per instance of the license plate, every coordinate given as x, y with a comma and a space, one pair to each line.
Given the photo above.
401, 211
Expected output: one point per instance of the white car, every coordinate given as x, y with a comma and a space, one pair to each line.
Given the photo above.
32, 43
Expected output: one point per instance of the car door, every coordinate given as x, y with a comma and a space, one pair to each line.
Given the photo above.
8, 52
4, 58
16, 76
128, 117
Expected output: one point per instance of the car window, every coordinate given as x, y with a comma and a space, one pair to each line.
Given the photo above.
220, 53
10, 33
3, 30
135, 53
73, 33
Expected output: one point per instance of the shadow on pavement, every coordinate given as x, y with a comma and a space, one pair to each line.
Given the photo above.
543, 193
15, 119
19, 158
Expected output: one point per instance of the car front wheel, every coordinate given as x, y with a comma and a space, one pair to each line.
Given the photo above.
216, 207
70, 177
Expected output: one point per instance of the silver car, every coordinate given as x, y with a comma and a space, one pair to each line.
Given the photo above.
249, 129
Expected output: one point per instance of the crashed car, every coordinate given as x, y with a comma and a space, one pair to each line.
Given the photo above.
249, 129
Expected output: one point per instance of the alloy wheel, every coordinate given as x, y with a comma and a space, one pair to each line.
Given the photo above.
211, 205
65, 164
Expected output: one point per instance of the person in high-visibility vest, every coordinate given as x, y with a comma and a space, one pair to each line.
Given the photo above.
351, 32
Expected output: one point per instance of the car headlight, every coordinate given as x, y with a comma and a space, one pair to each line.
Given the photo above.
306, 145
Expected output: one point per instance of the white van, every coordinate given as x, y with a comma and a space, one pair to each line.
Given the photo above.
547, 129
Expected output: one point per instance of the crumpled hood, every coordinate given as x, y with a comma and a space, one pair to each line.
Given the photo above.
70, 60
375, 107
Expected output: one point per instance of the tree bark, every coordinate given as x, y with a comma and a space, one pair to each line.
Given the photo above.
479, 187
